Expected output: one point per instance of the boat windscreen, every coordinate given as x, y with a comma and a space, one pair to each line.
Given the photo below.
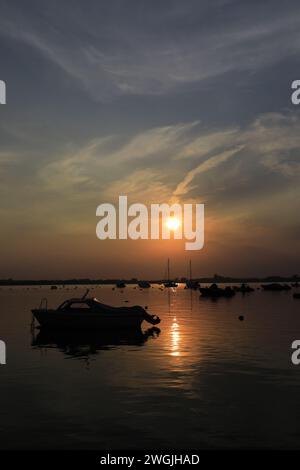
63, 305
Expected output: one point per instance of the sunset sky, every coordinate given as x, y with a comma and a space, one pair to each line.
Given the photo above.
160, 101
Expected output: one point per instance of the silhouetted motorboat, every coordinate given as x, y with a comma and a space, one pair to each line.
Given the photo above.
276, 287
215, 291
144, 284
89, 313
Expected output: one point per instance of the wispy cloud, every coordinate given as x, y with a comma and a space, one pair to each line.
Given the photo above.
104, 159
184, 186
185, 158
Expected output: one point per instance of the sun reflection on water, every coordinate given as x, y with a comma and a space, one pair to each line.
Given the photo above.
175, 338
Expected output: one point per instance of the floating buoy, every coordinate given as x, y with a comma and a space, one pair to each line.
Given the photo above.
241, 317
146, 307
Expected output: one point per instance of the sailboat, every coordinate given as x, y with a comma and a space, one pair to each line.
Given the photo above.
190, 284
170, 283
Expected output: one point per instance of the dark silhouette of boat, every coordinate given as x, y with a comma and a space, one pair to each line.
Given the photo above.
215, 292
86, 343
276, 287
53, 287
296, 296
296, 284
89, 313
190, 284
170, 284
243, 288
120, 284
144, 284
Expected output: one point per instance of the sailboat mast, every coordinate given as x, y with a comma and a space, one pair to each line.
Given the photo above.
168, 269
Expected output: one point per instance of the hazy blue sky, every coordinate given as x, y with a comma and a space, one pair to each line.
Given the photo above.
158, 100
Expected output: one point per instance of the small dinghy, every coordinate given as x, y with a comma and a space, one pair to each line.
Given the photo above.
89, 313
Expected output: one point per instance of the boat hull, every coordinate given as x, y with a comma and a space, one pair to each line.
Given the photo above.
56, 319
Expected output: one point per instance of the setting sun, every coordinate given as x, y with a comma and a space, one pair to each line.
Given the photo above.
173, 223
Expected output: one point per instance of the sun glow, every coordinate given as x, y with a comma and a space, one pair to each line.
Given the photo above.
173, 223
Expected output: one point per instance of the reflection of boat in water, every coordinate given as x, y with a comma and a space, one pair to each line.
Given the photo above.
214, 291
89, 313
170, 283
276, 287
243, 288
144, 284
82, 344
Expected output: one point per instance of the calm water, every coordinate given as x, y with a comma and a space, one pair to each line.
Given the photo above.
206, 380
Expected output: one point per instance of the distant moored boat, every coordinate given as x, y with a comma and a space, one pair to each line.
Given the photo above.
144, 284
120, 284
170, 283
214, 291
190, 283
276, 287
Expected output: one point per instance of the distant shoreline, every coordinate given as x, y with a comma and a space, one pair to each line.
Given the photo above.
86, 281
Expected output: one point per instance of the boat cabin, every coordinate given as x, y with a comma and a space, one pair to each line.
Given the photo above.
75, 304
